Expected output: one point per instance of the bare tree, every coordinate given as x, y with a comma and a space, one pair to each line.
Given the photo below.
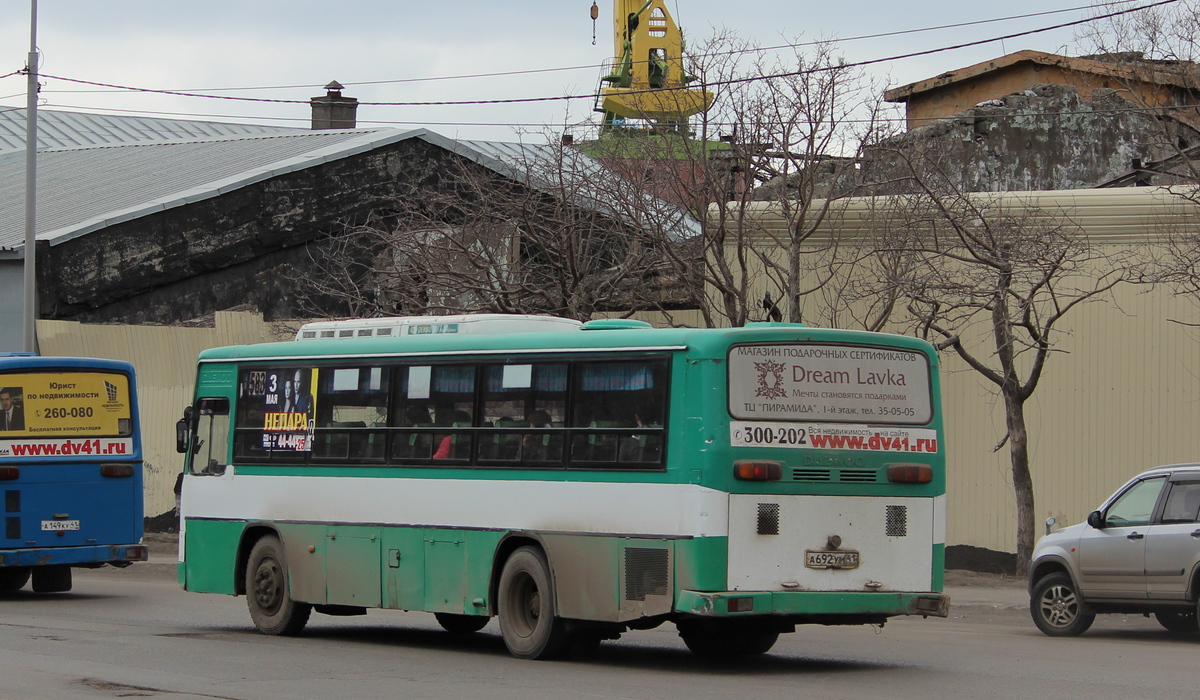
541, 229
991, 277
784, 134
553, 232
1160, 46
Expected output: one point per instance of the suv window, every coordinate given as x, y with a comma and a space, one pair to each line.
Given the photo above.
1136, 505
1183, 503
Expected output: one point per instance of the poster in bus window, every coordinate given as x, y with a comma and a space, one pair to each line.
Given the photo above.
288, 406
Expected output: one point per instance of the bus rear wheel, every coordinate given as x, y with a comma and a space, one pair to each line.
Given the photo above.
13, 579
713, 639
461, 624
528, 623
52, 579
271, 608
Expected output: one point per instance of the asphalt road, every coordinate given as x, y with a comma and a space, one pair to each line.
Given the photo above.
134, 633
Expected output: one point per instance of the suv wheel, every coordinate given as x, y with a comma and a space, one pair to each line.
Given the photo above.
1057, 608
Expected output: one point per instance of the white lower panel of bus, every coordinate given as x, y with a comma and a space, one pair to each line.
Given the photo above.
883, 543
673, 510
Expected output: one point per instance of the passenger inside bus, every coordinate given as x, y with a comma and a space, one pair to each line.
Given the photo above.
640, 447
534, 446
454, 445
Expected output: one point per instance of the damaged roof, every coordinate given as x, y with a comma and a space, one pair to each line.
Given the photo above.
1177, 73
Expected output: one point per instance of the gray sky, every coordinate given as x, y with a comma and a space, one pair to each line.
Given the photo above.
173, 45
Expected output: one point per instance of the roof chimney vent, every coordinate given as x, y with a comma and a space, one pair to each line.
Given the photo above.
332, 111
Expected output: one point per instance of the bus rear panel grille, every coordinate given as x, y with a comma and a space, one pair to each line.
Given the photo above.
646, 572
897, 521
768, 518
869, 476
811, 475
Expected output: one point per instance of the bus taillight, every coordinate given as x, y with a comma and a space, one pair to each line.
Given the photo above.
757, 470
909, 473
116, 471
10, 473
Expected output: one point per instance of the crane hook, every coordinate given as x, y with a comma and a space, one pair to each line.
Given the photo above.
595, 15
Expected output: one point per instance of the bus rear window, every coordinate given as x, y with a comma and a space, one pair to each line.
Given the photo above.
65, 404
829, 383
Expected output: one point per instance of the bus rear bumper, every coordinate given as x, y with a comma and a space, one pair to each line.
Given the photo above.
828, 607
116, 554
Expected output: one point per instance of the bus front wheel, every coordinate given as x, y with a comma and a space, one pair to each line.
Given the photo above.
530, 627
271, 608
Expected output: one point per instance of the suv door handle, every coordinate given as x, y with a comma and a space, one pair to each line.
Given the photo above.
1138, 535
1195, 533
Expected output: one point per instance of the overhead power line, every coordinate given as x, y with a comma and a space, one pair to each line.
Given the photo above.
592, 67
591, 95
900, 119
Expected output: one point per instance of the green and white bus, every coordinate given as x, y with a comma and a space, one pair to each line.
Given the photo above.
575, 480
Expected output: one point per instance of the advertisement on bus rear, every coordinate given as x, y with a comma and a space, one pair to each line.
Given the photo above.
820, 383
58, 414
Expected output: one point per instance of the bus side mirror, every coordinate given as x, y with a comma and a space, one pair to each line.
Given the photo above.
182, 428
1096, 519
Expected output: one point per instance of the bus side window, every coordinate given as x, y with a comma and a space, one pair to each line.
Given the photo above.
432, 413
351, 414
210, 445
610, 397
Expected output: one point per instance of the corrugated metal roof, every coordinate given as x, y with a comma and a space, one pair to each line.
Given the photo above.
58, 129
84, 189
81, 190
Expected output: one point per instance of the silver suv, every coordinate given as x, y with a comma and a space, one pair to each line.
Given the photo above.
1139, 553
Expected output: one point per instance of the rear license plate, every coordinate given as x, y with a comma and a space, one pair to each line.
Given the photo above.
842, 559
56, 525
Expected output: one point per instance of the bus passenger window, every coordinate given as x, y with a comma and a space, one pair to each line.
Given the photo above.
210, 444
526, 407
617, 409
432, 414
351, 412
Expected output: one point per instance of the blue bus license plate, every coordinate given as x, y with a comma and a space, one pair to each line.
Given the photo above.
56, 525
844, 559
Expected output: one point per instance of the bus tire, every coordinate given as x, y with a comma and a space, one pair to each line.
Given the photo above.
1057, 608
271, 608
461, 624
52, 579
13, 579
1178, 622
528, 623
712, 639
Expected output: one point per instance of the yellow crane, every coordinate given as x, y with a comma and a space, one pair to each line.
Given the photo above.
648, 80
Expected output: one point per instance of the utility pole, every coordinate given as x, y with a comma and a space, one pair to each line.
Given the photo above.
30, 308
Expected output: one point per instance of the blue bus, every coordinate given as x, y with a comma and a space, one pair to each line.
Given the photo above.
70, 469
